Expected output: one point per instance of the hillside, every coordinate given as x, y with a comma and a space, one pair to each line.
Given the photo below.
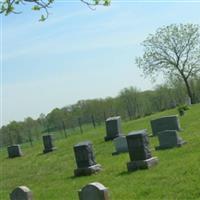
50, 176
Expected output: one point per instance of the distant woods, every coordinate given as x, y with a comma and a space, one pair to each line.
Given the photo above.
129, 104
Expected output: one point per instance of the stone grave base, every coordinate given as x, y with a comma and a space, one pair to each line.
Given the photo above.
142, 164
49, 150
179, 144
107, 138
87, 170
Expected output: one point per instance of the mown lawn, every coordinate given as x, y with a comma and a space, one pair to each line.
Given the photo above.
50, 176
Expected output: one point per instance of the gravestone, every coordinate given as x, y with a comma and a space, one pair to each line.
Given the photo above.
165, 123
14, 151
169, 139
21, 193
94, 191
85, 159
48, 143
139, 151
120, 144
113, 128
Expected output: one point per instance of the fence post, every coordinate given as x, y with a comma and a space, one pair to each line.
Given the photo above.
30, 138
80, 125
93, 121
64, 128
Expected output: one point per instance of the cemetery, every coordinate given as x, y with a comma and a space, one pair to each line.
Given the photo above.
83, 166
100, 100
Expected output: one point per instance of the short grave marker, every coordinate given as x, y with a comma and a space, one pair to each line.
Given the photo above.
14, 151
120, 144
169, 139
21, 193
94, 191
48, 143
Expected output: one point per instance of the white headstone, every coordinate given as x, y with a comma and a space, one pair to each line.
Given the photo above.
120, 144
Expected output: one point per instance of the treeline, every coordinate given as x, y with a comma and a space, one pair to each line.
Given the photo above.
129, 104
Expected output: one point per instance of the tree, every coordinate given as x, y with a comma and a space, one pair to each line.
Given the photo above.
9, 6
173, 50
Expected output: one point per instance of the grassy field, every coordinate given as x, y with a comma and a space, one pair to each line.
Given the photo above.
50, 176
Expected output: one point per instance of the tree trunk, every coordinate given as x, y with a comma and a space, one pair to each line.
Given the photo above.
189, 91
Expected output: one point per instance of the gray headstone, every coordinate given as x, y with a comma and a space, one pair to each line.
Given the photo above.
14, 151
94, 191
165, 123
120, 144
138, 145
84, 154
113, 128
139, 151
169, 139
21, 193
85, 159
48, 143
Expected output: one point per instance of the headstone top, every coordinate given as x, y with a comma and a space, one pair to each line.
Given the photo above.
113, 118
139, 132
84, 143
97, 185
14, 145
167, 116
47, 135
23, 188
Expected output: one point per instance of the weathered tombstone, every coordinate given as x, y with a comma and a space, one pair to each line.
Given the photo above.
85, 159
120, 144
165, 123
94, 191
48, 143
139, 151
21, 193
113, 128
169, 139
14, 151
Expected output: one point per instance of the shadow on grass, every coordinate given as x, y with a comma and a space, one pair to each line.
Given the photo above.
124, 173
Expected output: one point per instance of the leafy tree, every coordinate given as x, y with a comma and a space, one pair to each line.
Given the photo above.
9, 6
173, 50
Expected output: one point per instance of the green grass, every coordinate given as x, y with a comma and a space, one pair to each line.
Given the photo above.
50, 176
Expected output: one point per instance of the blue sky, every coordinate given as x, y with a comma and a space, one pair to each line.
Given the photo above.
78, 53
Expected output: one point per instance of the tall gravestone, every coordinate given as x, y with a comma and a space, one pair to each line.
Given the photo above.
94, 191
120, 144
85, 159
169, 139
21, 193
139, 151
14, 151
113, 128
48, 143
165, 123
